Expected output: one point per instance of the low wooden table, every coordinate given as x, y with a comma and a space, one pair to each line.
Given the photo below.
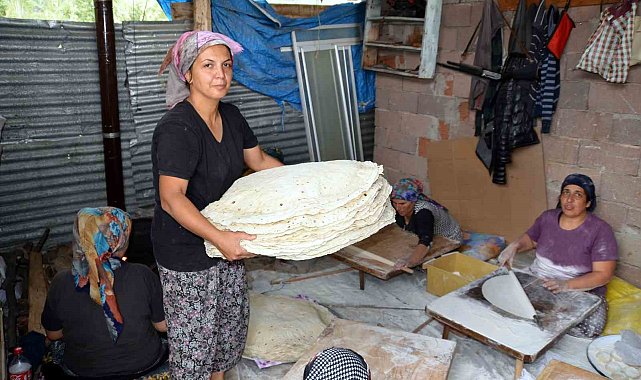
384, 248
390, 354
466, 311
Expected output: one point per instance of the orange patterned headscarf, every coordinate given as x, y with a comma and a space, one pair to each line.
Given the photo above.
101, 237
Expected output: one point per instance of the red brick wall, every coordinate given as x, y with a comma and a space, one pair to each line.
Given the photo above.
596, 129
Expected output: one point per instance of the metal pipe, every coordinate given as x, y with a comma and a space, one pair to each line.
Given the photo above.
109, 103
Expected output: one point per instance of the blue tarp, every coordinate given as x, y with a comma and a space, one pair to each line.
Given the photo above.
262, 67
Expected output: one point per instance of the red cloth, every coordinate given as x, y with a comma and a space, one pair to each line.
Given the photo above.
561, 35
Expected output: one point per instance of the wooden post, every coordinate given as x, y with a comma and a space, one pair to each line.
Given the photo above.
3, 354
361, 279
446, 331
37, 286
182, 11
202, 14
37, 292
518, 369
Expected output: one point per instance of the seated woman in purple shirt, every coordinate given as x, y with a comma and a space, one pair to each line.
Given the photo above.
575, 250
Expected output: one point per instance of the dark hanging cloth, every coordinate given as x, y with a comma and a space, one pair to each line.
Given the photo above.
538, 52
488, 53
550, 77
521, 33
511, 122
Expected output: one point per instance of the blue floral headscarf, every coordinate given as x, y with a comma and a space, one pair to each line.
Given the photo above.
411, 190
101, 237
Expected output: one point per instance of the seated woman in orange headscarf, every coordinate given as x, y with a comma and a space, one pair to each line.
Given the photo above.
108, 312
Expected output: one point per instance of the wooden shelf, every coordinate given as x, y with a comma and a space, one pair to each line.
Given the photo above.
405, 46
397, 19
413, 74
393, 46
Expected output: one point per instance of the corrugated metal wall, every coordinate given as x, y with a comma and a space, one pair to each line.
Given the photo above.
51, 162
52, 157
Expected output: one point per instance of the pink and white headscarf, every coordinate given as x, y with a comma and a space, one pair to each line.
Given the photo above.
181, 57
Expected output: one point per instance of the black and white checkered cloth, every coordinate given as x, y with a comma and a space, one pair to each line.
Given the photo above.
337, 364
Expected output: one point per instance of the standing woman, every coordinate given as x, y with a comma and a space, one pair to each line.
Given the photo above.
424, 216
198, 151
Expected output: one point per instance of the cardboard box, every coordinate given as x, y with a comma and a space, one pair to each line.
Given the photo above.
460, 182
454, 270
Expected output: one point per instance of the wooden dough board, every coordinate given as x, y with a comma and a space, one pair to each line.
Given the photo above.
390, 354
391, 243
465, 310
557, 370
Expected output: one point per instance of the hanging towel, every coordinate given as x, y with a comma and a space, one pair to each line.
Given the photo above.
608, 52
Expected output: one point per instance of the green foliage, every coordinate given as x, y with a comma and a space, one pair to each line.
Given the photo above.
80, 10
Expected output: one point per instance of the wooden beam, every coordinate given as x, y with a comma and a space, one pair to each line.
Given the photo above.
38, 286
310, 276
3, 354
182, 11
361, 252
37, 292
510, 5
202, 14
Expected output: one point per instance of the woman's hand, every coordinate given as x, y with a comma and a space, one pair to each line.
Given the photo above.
556, 286
507, 255
401, 263
229, 245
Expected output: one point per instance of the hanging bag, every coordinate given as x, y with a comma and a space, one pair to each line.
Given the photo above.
561, 34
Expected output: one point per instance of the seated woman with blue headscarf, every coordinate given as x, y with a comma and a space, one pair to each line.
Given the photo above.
575, 249
107, 312
423, 216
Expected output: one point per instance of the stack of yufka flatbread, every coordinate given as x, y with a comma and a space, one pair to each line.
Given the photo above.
302, 211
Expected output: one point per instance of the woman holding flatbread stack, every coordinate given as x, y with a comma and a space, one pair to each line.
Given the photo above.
575, 249
199, 149
425, 217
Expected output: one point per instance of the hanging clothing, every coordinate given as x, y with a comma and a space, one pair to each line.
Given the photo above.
609, 48
550, 78
489, 54
512, 121
539, 52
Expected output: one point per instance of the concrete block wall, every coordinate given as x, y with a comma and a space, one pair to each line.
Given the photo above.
596, 129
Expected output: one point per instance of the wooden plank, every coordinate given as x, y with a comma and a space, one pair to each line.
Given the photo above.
182, 11
510, 5
3, 353
430, 38
297, 11
202, 14
359, 252
390, 354
310, 276
37, 291
558, 370
390, 243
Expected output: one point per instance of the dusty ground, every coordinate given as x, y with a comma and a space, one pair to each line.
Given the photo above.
397, 303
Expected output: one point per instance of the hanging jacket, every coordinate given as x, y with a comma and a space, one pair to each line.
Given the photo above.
489, 54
